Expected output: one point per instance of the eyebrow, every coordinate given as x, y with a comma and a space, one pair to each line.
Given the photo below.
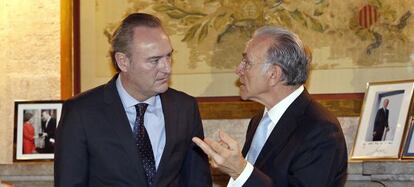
158, 57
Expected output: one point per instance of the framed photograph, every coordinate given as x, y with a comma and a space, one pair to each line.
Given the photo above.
35, 125
383, 120
408, 151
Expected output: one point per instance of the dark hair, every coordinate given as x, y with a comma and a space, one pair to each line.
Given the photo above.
123, 35
27, 116
288, 52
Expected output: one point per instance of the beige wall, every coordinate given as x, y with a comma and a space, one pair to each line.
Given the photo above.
29, 60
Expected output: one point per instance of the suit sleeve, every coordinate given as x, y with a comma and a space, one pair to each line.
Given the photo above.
314, 165
71, 157
377, 117
197, 169
52, 130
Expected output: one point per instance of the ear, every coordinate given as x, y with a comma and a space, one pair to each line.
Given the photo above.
275, 74
122, 60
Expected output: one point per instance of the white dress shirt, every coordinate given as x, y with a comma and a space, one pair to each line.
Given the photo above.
275, 113
153, 119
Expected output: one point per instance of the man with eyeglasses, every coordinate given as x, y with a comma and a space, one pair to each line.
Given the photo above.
294, 141
134, 130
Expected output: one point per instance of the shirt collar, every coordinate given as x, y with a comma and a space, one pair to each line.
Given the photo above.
128, 100
276, 112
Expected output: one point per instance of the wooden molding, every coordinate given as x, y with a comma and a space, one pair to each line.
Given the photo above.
66, 82
233, 107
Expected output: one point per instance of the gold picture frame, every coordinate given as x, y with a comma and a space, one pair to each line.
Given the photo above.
383, 120
408, 148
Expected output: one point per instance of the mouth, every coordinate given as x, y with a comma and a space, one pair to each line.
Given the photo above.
239, 83
163, 80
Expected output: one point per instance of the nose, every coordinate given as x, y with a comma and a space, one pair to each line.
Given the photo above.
239, 70
165, 65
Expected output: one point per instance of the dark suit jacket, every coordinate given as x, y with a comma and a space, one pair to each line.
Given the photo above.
306, 148
50, 130
381, 121
95, 144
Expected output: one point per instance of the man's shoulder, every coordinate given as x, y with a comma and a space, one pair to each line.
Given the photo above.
316, 110
176, 94
317, 117
318, 125
94, 95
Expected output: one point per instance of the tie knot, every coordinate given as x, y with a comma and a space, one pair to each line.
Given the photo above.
141, 107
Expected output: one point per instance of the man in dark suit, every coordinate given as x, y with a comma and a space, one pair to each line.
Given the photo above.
134, 130
48, 131
294, 141
381, 122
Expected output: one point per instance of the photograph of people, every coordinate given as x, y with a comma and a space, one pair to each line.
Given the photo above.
384, 116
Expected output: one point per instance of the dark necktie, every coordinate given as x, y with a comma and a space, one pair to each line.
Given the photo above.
144, 144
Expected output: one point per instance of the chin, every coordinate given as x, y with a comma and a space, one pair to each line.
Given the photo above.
243, 95
162, 88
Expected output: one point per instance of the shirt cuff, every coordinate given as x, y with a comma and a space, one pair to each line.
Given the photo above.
245, 174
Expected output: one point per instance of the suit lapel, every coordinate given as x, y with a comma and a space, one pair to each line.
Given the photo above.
171, 119
120, 124
283, 129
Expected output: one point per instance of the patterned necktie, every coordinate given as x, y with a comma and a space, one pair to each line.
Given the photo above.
259, 139
144, 144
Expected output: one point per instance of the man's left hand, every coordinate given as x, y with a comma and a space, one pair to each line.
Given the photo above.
224, 155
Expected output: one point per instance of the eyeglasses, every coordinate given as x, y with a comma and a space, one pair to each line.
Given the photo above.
246, 64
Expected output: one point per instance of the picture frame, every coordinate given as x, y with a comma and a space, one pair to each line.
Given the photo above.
383, 120
34, 130
408, 151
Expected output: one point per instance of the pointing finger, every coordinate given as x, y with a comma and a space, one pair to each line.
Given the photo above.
228, 140
205, 147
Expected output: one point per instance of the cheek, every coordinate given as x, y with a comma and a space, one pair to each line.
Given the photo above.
255, 82
251, 80
155, 78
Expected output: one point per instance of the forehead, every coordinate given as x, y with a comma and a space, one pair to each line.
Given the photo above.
258, 46
149, 33
148, 38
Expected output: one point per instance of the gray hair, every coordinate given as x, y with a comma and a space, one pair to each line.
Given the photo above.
288, 52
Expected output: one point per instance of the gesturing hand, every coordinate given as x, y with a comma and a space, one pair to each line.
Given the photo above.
224, 155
